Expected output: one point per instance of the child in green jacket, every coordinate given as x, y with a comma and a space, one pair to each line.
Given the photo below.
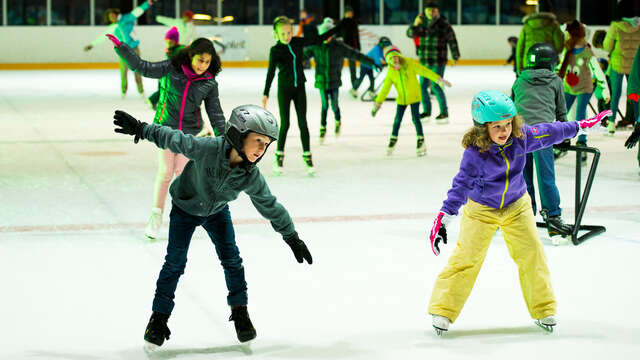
402, 74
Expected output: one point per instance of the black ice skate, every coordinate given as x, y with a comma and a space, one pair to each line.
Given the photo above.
157, 331
547, 323
555, 224
308, 163
442, 119
392, 144
323, 133
337, 128
278, 163
421, 148
244, 327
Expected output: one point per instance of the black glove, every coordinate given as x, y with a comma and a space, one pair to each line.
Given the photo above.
127, 124
564, 145
633, 138
299, 249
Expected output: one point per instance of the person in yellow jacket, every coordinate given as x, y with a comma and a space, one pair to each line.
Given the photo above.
403, 74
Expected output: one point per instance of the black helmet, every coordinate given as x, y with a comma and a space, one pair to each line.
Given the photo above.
541, 56
247, 118
384, 42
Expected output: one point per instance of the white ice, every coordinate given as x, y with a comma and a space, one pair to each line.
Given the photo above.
78, 276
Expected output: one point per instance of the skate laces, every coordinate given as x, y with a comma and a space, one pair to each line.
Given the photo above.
240, 316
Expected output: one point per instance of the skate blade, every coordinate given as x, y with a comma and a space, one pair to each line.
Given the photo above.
439, 331
150, 348
547, 328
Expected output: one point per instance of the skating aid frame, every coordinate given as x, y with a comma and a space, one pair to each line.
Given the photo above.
581, 200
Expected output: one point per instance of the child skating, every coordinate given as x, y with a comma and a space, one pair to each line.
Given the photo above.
287, 56
187, 80
122, 27
491, 187
402, 74
377, 54
218, 170
329, 57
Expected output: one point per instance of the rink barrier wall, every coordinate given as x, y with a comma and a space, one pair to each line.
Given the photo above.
225, 64
47, 45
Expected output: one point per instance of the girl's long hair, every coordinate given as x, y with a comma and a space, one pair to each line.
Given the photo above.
198, 47
478, 135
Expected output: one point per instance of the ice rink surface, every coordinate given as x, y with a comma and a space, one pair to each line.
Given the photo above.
78, 275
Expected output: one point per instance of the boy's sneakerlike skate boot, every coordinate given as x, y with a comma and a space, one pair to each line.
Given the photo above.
547, 323
442, 119
555, 224
323, 133
421, 148
440, 324
152, 230
243, 325
308, 162
278, 163
392, 144
157, 331
337, 128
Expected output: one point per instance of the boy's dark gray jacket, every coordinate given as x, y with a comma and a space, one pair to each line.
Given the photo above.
181, 94
208, 183
539, 96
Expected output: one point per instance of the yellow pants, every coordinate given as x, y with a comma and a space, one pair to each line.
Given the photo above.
478, 225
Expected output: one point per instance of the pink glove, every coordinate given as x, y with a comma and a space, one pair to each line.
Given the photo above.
589, 123
114, 40
438, 231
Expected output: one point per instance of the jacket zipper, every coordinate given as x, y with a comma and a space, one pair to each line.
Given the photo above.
184, 99
295, 73
506, 183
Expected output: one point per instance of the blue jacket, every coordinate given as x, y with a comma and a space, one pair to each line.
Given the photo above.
376, 54
494, 178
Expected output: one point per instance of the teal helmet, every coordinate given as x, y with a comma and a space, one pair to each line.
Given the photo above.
491, 105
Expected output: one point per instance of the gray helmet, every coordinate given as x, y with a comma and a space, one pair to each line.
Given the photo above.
246, 118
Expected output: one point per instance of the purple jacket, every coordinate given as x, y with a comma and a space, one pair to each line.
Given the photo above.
494, 178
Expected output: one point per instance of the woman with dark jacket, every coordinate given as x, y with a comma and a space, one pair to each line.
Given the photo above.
187, 80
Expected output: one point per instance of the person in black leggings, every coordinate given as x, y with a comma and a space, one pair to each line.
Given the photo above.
287, 56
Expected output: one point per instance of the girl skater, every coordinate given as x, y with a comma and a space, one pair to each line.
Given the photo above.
122, 27
287, 56
172, 38
491, 184
329, 58
402, 74
219, 169
187, 80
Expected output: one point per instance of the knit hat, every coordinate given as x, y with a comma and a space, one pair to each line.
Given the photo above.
173, 34
327, 24
390, 52
188, 14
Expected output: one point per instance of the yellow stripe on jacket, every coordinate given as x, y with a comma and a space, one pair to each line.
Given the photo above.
406, 82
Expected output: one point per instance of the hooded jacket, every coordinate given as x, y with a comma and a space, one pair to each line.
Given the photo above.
494, 178
181, 93
329, 60
405, 81
538, 28
539, 96
622, 40
208, 183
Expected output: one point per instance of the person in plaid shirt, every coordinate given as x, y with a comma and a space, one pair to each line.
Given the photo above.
434, 34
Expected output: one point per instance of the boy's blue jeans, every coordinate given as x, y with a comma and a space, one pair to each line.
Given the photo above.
181, 228
581, 108
437, 90
549, 195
